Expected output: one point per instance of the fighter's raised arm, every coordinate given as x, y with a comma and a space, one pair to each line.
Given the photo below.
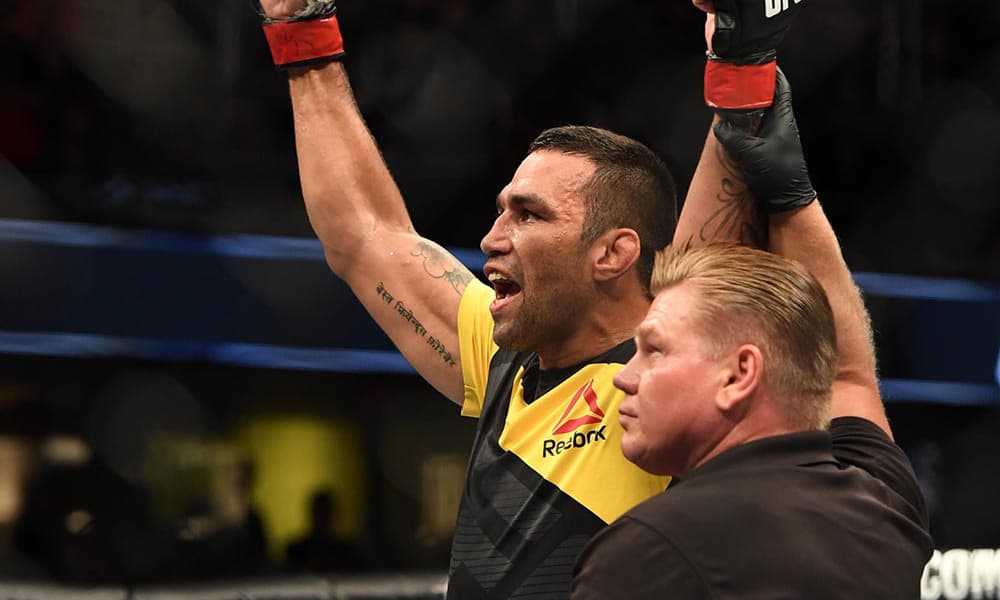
739, 85
410, 285
569, 256
774, 167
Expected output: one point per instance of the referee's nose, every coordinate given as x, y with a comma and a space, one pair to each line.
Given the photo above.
627, 380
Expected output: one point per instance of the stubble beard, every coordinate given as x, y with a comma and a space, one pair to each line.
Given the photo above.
520, 333
538, 324
547, 317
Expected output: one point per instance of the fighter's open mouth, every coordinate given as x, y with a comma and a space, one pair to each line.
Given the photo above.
504, 287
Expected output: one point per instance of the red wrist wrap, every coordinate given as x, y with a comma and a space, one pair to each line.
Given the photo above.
296, 42
733, 86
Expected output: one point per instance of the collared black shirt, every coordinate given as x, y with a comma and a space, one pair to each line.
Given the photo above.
813, 515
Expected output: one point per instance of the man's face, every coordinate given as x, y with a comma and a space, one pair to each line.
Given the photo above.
537, 262
669, 415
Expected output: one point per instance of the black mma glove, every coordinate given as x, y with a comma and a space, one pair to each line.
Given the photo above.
739, 75
772, 161
311, 37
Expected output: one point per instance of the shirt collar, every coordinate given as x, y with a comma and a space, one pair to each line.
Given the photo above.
790, 449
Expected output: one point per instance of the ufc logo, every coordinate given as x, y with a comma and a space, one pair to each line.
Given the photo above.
773, 8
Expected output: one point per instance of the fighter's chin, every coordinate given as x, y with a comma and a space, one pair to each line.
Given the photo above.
509, 338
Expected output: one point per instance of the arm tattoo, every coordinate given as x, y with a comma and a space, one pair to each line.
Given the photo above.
737, 217
441, 265
407, 315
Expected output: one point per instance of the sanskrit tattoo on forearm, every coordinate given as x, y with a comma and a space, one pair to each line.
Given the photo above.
737, 218
441, 265
407, 315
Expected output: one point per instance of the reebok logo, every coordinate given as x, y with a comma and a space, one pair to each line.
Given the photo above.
596, 415
570, 421
773, 8
579, 440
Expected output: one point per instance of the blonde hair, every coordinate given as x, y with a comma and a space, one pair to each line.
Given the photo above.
750, 296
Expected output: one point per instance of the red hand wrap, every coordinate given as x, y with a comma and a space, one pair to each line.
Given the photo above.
303, 41
731, 86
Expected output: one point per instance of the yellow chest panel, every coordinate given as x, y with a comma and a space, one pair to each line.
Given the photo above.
571, 437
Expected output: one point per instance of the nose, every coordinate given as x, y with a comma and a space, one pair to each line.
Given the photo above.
627, 380
496, 241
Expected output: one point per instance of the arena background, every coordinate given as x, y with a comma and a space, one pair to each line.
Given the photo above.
180, 374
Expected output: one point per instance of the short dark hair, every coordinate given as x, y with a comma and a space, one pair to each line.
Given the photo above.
631, 187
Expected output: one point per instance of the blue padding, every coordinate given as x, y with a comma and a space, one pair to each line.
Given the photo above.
926, 288
474, 259
940, 392
237, 245
311, 359
77, 345
270, 247
147, 240
168, 289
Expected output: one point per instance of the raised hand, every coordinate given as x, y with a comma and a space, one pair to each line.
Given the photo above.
772, 161
742, 38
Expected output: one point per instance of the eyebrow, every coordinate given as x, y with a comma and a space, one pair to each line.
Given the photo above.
522, 200
644, 330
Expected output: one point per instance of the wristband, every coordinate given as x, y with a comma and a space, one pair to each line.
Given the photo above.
739, 87
300, 43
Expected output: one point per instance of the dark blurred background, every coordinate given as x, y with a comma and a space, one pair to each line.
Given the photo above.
186, 393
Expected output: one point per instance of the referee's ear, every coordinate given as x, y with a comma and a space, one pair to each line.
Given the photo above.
614, 253
743, 377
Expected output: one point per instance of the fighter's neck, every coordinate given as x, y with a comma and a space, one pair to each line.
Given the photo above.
597, 334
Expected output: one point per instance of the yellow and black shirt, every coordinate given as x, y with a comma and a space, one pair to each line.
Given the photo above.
546, 470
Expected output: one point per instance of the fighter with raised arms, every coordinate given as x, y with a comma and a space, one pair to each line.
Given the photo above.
569, 257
